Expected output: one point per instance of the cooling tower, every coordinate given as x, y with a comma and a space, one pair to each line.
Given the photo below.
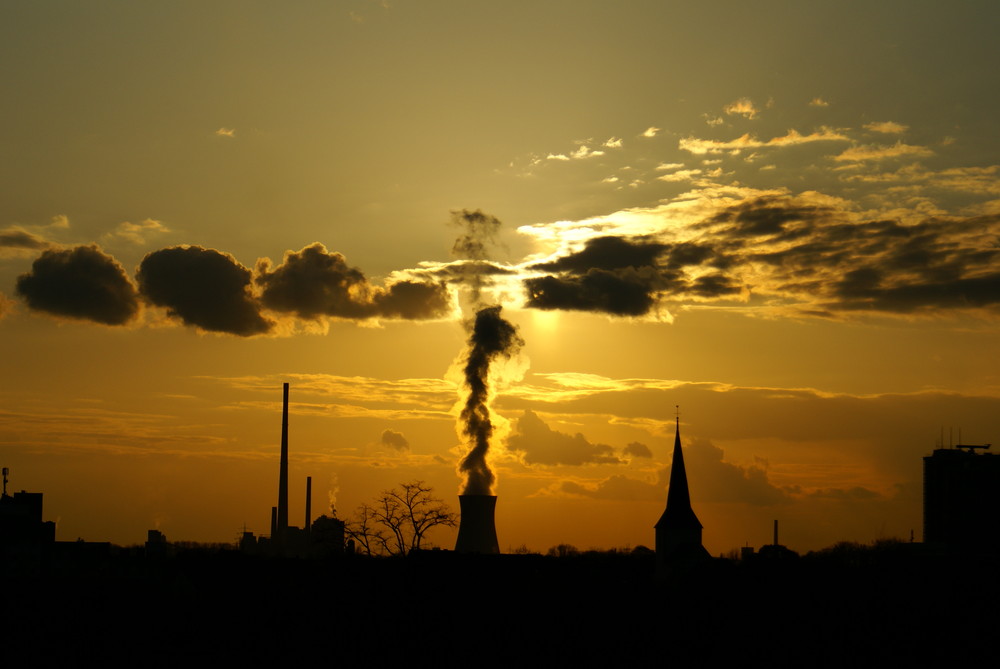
477, 530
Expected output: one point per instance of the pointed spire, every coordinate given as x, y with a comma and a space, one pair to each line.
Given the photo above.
678, 514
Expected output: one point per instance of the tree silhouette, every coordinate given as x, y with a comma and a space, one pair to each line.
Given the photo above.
398, 521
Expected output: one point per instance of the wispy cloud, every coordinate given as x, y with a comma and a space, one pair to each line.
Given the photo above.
741, 107
226, 132
137, 233
748, 141
887, 127
651, 131
879, 152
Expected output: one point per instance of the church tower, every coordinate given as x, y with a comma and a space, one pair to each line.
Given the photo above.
678, 532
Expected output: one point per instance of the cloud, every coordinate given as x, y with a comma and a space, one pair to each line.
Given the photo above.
637, 450
818, 102
877, 152
226, 132
539, 444
625, 276
680, 175
618, 487
81, 283
887, 127
714, 480
741, 107
651, 131
394, 440
748, 141
204, 288
613, 143
803, 255
137, 233
14, 237
314, 283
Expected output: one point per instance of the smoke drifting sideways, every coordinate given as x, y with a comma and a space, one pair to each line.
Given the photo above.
492, 337
212, 291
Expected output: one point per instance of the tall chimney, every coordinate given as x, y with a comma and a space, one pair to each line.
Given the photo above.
282, 524
309, 495
477, 530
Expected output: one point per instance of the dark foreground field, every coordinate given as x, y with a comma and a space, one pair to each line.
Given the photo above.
441, 609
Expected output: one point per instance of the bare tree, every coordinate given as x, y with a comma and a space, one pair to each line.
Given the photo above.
399, 520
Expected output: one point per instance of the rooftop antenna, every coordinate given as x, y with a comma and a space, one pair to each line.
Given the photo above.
6, 471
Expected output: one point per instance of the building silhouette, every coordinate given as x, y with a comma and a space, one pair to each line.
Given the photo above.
962, 498
21, 521
678, 532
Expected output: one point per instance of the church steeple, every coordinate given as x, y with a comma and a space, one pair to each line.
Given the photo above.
678, 532
679, 514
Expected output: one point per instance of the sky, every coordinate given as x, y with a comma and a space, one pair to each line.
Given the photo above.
780, 217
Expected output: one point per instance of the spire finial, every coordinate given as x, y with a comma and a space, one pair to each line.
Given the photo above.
677, 414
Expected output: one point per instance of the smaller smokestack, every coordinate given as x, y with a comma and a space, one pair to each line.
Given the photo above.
775, 532
477, 530
282, 523
309, 495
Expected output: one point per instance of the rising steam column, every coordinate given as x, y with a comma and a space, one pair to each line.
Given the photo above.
491, 337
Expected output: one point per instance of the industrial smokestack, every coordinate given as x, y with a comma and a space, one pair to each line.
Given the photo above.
477, 530
309, 495
282, 523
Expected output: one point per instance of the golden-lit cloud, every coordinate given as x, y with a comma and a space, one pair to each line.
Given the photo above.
881, 152
741, 107
680, 175
818, 102
613, 143
887, 127
748, 141
137, 233
651, 131
229, 133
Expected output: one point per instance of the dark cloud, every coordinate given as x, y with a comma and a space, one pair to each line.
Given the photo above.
607, 253
540, 444
780, 217
394, 440
626, 276
714, 480
619, 487
315, 283
82, 283
202, 287
623, 293
20, 239
638, 450
824, 256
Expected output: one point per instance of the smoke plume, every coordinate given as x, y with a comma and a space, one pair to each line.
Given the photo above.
492, 337
473, 246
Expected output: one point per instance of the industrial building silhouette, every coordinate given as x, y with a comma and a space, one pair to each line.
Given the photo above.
962, 498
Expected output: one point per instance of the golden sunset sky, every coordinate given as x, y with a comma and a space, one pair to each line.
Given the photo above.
781, 216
